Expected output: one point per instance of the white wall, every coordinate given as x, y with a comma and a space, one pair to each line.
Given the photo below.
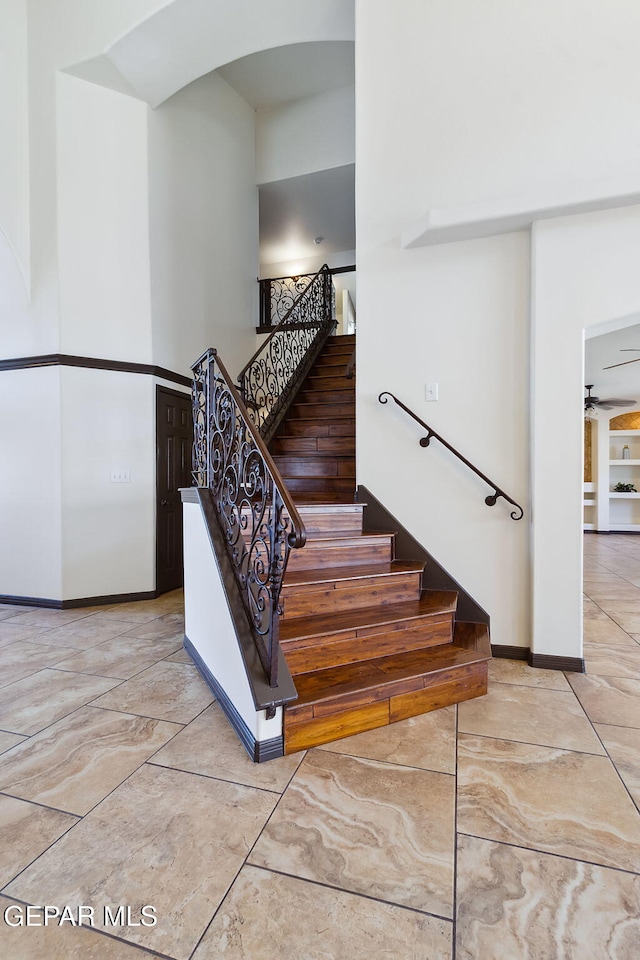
14, 156
585, 273
108, 536
314, 133
30, 478
477, 101
203, 226
103, 223
447, 315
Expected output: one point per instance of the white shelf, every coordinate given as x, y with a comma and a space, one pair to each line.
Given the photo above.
624, 433
624, 496
624, 463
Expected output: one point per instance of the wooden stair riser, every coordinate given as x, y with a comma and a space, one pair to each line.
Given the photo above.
309, 726
315, 466
310, 446
319, 427
322, 411
321, 653
304, 600
319, 521
329, 381
335, 395
334, 362
348, 551
342, 487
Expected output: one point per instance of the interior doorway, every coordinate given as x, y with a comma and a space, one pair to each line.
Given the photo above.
174, 441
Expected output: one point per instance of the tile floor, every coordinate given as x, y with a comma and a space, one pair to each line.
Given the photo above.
506, 829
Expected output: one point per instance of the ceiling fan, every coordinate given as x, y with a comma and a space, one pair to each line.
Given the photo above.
625, 362
592, 403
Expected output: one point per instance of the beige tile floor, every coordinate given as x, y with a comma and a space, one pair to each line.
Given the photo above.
504, 829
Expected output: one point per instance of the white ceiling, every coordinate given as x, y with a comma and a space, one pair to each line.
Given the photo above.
283, 74
294, 212
608, 349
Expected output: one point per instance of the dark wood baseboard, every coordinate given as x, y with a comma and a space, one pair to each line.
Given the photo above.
542, 661
78, 602
505, 652
549, 662
258, 750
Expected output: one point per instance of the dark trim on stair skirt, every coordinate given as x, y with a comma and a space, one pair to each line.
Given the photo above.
375, 517
94, 363
542, 661
80, 601
258, 750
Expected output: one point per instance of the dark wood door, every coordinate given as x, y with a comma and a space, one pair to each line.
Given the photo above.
174, 435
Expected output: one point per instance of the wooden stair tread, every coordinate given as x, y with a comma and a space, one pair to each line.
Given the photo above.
430, 603
370, 535
334, 574
337, 682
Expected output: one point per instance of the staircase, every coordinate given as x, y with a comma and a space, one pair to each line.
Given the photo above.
365, 644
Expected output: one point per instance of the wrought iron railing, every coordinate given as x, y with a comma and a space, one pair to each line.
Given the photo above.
493, 498
277, 296
273, 375
258, 519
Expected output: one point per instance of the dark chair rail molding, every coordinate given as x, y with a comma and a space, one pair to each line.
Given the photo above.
493, 498
93, 363
256, 515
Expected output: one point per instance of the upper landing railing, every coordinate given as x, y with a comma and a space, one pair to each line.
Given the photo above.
493, 498
276, 370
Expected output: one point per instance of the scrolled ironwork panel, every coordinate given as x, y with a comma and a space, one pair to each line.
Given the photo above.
274, 373
257, 527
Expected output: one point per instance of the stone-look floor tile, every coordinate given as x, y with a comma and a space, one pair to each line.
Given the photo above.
180, 657
168, 627
515, 903
630, 622
29, 705
166, 691
608, 699
210, 746
612, 660
544, 798
372, 828
550, 718
597, 631
9, 740
122, 658
428, 742
309, 922
26, 830
607, 595
59, 942
519, 671
165, 838
83, 634
139, 611
623, 746
10, 631
591, 611
52, 618
9, 610
21, 659
75, 763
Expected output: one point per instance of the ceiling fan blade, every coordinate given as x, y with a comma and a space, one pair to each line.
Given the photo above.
623, 364
609, 402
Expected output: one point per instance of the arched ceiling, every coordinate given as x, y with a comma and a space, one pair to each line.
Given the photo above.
188, 38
